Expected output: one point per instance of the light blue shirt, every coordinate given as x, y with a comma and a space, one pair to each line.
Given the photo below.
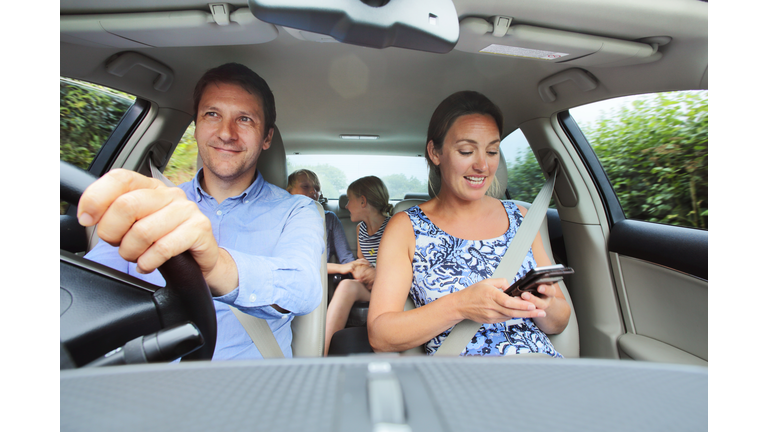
276, 240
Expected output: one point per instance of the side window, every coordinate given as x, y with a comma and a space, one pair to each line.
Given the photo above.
87, 116
183, 164
654, 150
524, 176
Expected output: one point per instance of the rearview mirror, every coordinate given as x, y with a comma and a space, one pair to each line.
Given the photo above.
424, 25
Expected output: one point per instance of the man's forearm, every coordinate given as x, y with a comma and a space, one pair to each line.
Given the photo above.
223, 279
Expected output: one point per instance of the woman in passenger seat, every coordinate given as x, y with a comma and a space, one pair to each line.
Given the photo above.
369, 205
305, 182
443, 252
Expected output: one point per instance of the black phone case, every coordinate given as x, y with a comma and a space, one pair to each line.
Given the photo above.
535, 277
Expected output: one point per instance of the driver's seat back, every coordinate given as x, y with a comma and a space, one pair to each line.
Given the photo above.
308, 330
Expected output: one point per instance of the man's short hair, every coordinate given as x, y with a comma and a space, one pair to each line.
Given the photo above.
250, 81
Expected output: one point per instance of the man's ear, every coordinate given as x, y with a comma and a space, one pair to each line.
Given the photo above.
432, 153
268, 139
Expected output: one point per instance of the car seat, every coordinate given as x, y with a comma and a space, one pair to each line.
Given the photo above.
350, 228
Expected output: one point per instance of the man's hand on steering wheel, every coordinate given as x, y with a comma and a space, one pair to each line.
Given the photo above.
151, 222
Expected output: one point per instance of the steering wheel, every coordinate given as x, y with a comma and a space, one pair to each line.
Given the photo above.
103, 309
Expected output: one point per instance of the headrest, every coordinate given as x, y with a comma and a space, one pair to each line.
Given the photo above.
501, 176
271, 163
343, 212
343, 201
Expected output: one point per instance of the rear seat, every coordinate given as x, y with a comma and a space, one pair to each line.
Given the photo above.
350, 228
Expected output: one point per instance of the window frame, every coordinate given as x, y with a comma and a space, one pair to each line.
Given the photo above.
608, 197
116, 141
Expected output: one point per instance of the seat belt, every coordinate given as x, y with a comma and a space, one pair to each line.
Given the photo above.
257, 328
463, 332
260, 334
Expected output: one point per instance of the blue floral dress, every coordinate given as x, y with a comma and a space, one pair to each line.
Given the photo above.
443, 264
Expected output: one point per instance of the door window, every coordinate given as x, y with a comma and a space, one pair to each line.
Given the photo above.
524, 176
182, 166
654, 150
88, 114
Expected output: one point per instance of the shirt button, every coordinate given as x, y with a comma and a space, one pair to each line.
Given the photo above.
218, 212
246, 201
252, 298
284, 317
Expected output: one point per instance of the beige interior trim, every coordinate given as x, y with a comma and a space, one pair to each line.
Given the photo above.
644, 348
164, 29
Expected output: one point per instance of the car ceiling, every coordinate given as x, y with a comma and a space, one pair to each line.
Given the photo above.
323, 90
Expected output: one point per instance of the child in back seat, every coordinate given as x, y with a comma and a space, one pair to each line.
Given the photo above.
305, 182
369, 205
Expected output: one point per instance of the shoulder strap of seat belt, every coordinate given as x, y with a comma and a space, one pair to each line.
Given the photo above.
260, 334
454, 344
157, 174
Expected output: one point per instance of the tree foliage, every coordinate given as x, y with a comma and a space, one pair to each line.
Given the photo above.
524, 177
87, 116
655, 153
333, 181
398, 185
183, 164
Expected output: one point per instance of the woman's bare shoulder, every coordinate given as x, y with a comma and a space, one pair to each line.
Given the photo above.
399, 222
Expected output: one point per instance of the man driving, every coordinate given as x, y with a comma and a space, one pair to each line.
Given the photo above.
258, 246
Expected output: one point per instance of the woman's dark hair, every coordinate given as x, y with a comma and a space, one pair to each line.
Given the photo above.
250, 81
454, 106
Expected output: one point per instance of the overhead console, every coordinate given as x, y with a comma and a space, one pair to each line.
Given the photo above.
220, 26
500, 35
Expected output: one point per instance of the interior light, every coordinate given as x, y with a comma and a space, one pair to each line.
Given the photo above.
359, 137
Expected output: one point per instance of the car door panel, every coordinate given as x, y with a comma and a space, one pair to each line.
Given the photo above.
660, 273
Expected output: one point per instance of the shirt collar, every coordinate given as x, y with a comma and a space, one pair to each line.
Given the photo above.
252, 191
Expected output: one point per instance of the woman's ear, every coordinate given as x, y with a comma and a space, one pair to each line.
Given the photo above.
363, 201
432, 153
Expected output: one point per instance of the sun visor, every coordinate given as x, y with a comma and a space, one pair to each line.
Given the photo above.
502, 37
167, 29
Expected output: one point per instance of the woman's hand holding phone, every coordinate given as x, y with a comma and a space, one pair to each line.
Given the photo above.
538, 285
484, 302
542, 296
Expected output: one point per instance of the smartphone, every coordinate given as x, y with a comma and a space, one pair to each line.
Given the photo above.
539, 275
